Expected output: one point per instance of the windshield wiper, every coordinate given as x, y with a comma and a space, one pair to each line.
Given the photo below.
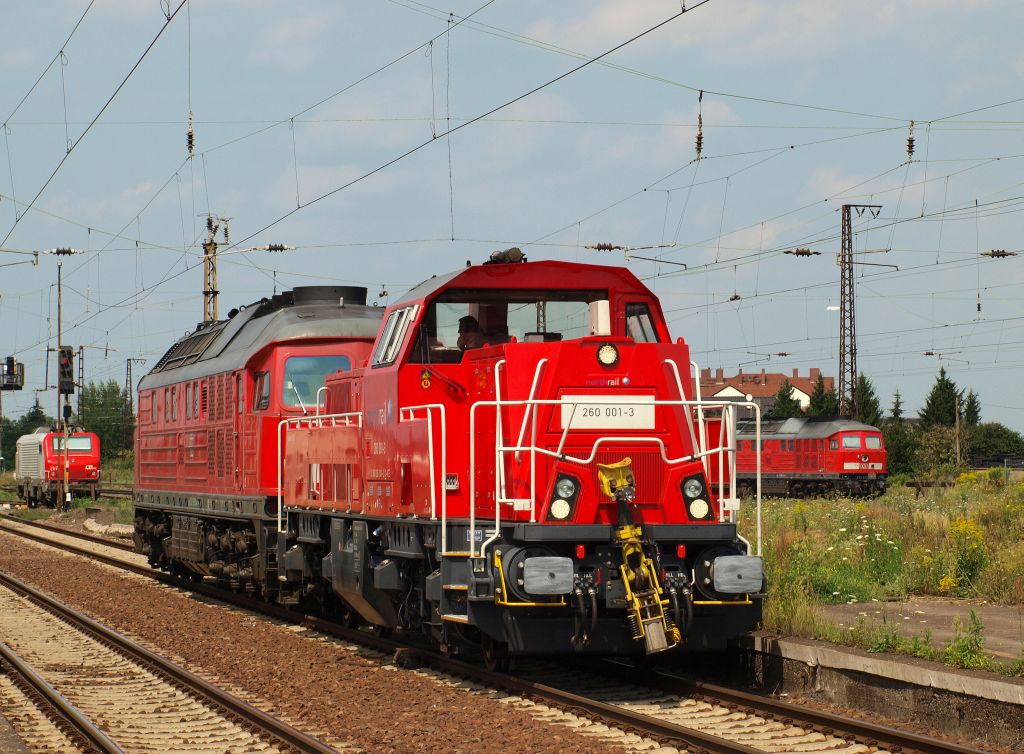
299, 399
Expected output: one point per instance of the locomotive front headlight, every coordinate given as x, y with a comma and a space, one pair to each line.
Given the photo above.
565, 488
698, 508
692, 487
608, 355
560, 509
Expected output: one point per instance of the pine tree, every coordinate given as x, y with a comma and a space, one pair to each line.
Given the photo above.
824, 403
896, 414
940, 405
971, 409
869, 410
900, 439
786, 404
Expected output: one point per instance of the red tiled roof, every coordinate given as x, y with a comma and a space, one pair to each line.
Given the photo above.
760, 384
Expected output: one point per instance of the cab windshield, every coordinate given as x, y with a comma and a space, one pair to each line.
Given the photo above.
75, 444
304, 376
461, 320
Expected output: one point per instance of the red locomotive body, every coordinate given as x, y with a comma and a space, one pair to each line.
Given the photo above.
208, 416
802, 456
516, 465
40, 461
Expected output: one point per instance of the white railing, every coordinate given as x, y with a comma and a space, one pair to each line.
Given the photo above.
408, 413
726, 447
350, 419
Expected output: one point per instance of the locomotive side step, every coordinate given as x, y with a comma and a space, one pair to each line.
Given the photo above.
452, 618
457, 587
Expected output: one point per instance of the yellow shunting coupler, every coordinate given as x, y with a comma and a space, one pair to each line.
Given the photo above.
645, 605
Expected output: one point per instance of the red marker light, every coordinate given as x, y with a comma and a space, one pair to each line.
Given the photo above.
581, 552
680, 551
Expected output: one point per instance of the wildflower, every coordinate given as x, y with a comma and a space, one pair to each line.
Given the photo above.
836, 594
845, 558
843, 529
830, 549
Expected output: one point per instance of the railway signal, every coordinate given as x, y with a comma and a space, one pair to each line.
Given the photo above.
66, 370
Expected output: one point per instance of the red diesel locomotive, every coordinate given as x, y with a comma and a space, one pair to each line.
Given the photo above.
802, 456
514, 461
40, 460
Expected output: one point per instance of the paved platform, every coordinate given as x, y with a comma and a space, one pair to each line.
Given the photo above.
1003, 630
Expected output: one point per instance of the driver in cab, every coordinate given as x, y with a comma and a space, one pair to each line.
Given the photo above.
470, 334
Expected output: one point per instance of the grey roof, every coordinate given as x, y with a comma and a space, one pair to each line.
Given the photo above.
801, 428
229, 344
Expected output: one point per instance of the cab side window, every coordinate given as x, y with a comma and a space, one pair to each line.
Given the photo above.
261, 392
638, 323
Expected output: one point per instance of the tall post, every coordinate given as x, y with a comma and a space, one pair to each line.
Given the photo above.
847, 314
60, 342
81, 384
210, 291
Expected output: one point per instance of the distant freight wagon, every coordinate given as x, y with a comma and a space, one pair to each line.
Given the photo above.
39, 465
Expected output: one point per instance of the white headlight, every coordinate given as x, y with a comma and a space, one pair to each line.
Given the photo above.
693, 488
560, 509
565, 487
608, 354
698, 508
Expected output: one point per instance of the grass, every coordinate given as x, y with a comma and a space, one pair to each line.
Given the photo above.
966, 541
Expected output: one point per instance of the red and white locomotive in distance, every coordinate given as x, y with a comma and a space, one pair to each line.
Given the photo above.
803, 456
39, 463
512, 458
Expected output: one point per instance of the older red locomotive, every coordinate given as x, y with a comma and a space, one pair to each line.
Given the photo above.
515, 461
801, 456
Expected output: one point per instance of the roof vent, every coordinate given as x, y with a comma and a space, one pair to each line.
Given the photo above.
329, 294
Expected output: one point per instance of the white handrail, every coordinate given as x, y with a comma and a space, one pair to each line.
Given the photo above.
429, 408
701, 428
317, 421
726, 446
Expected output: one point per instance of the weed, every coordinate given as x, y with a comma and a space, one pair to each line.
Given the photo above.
965, 648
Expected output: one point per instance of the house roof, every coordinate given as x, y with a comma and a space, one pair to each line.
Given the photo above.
762, 384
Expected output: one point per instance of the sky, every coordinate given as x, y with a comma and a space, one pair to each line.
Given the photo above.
327, 126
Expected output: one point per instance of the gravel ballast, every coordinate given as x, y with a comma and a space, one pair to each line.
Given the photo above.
322, 686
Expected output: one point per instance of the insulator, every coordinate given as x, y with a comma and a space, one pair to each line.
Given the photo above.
910, 142
190, 138
209, 223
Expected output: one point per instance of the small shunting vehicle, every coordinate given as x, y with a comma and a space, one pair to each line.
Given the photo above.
513, 458
41, 459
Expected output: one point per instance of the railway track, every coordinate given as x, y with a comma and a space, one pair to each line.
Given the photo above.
110, 491
143, 702
656, 706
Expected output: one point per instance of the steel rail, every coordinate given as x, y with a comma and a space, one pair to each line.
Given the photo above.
82, 725
196, 684
868, 733
670, 733
125, 492
70, 533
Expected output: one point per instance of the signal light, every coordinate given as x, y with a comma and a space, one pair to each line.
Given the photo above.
581, 552
680, 551
66, 370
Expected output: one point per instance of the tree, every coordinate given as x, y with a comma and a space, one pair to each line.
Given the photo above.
34, 418
936, 452
785, 404
971, 409
900, 440
940, 405
992, 440
897, 408
107, 412
824, 403
869, 410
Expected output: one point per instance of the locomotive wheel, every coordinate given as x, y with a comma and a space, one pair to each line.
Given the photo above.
349, 617
496, 656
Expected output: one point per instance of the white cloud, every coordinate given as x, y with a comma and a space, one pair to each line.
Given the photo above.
290, 42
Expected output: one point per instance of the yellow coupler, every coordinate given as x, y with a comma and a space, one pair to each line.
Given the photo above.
645, 608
